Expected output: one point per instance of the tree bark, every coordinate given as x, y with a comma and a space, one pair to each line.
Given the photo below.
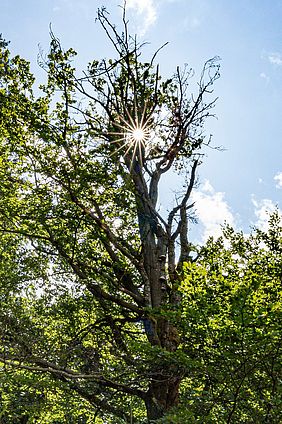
163, 392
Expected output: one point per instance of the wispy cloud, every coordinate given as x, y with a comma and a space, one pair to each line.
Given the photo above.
264, 77
212, 210
146, 13
275, 58
263, 209
278, 180
191, 23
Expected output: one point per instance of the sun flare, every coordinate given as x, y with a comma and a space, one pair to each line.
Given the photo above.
139, 134
133, 137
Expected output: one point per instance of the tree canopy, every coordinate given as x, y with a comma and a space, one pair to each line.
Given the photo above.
108, 313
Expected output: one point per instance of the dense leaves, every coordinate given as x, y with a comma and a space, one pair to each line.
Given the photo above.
232, 322
105, 315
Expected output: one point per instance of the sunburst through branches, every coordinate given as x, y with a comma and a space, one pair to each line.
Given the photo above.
134, 137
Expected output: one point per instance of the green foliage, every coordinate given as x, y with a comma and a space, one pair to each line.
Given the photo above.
231, 317
99, 322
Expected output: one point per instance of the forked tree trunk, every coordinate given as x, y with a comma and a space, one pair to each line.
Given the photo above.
163, 391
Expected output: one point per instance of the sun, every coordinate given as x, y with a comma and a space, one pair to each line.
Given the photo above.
133, 136
133, 139
139, 134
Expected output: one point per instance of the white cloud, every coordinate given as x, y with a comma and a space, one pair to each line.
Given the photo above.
263, 209
207, 187
212, 210
275, 58
264, 77
146, 10
278, 179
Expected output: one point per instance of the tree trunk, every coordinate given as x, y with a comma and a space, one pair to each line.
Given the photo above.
163, 393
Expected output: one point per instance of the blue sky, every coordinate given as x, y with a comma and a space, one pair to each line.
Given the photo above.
241, 183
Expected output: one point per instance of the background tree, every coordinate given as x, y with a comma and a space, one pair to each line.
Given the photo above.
232, 315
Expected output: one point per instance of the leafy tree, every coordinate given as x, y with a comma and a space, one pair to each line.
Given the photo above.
231, 320
95, 315
95, 262
106, 313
